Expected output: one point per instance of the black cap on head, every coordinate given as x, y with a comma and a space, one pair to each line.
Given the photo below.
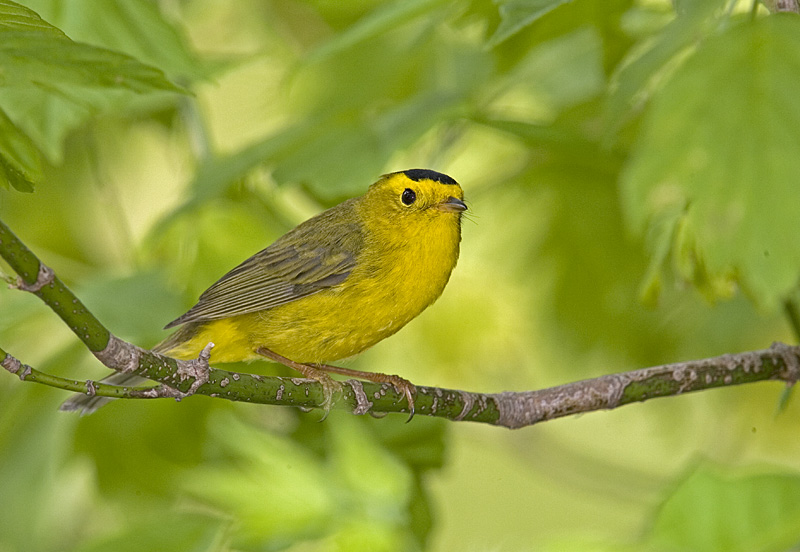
426, 174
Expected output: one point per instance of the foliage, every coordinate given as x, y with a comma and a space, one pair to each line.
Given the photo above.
628, 168
754, 511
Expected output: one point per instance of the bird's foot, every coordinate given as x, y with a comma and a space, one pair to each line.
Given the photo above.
402, 385
314, 372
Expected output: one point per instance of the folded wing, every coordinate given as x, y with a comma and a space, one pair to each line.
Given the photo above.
317, 255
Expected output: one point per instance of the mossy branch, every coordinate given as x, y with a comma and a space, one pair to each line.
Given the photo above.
180, 378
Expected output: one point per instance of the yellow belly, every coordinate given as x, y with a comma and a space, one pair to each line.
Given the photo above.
378, 299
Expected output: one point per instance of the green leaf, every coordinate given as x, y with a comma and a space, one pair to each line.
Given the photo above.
594, 263
132, 27
716, 171
555, 74
51, 85
202, 241
515, 15
644, 66
14, 17
366, 144
188, 532
420, 445
134, 308
378, 480
146, 446
20, 165
715, 510
384, 18
327, 482
216, 173
47, 118
42, 60
311, 154
275, 490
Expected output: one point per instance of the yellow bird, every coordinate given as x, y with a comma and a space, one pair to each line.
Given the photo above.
331, 287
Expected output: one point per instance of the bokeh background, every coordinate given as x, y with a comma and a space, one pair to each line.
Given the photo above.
630, 169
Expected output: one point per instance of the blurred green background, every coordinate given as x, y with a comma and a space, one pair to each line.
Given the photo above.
630, 169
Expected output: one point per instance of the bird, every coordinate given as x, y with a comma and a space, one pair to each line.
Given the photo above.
330, 288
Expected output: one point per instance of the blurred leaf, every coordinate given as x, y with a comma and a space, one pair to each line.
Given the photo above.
555, 74
274, 490
569, 69
313, 154
215, 174
318, 165
722, 187
20, 165
366, 144
366, 468
378, 99
43, 60
15, 17
383, 18
53, 84
132, 27
515, 15
203, 242
421, 513
594, 299
714, 510
420, 445
378, 485
187, 533
134, 308
141, 448
351, 490
784, 400
35, 475
646, 64
562, 140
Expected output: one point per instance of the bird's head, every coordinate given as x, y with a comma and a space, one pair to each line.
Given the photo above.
416, 194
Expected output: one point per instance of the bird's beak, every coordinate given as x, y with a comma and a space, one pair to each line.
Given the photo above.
452, 205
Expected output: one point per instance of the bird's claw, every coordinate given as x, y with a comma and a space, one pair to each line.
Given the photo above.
329, 387
405, 387
409, 391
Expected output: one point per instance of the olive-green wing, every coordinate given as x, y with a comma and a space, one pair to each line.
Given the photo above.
316, 255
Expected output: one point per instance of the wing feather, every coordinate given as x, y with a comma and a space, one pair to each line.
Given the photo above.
316, 255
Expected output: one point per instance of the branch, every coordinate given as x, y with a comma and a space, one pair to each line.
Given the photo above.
777, 6
509, 409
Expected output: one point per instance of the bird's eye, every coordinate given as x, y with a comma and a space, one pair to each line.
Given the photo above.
408, 197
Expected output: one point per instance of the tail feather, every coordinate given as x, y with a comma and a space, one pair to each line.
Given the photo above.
86, 403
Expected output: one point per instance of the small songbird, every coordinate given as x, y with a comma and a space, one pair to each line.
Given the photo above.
331, 287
